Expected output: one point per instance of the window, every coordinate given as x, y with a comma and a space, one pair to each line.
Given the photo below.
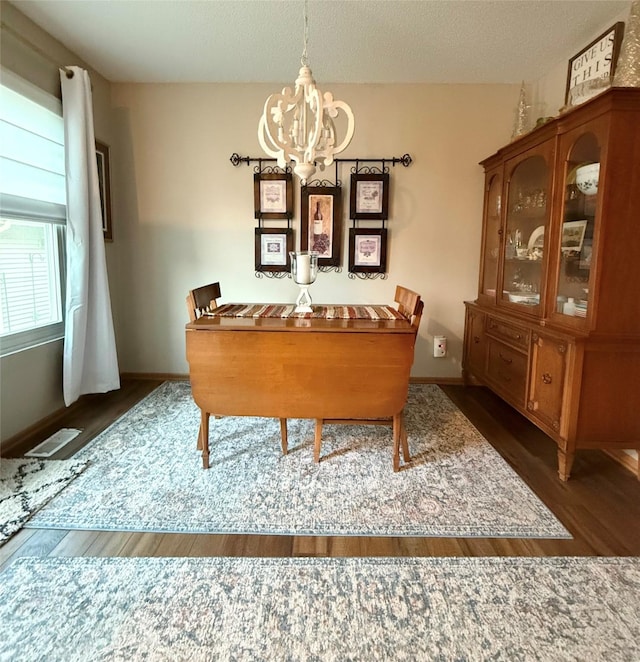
32, 216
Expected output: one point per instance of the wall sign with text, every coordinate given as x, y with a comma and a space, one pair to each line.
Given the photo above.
591, 70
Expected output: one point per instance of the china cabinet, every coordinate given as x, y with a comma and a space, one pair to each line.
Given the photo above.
555, 328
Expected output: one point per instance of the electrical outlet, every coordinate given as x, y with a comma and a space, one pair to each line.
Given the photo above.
439, 346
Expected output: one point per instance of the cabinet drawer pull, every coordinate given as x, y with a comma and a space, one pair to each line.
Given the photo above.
476, 339
506, 359
546, 378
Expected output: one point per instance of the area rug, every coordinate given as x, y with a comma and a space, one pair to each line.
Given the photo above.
196, 609
146, 475
26, 485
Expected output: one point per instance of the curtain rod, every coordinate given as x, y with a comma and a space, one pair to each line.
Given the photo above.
36, 49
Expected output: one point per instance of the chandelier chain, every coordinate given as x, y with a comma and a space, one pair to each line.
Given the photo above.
304, 60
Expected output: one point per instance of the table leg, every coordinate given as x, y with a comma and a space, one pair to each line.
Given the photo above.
204, 437
283, 436
405, 441
317, 440
397, 431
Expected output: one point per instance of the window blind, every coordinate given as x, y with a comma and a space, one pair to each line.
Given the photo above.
32, 215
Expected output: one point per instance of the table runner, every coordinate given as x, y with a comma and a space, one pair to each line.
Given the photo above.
256, 310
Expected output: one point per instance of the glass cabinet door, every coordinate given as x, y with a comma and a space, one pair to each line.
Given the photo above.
582, 169
492, 234
525, 231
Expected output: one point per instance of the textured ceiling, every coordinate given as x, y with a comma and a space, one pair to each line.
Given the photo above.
354, 41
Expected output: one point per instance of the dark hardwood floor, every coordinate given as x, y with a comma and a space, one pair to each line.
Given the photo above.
599, 505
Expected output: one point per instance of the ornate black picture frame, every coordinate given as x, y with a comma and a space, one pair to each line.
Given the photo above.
368, 250
273, 195
321, 223
369, 196
272, 247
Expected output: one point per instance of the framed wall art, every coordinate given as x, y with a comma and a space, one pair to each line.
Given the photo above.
273, 195
272, 246
104, 185
369, 198
591, 70
368, 250
321, 223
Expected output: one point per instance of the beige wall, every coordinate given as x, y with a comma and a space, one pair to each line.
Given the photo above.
184, 214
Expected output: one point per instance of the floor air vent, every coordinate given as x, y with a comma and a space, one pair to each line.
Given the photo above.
54, 443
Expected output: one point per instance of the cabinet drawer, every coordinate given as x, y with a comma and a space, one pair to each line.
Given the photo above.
511, 333
507, 370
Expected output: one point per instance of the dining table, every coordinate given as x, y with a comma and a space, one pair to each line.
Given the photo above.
340, 363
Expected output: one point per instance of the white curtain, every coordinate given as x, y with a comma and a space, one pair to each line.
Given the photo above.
90, 362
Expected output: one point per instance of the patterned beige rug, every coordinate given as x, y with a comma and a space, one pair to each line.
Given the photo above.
145, 474
197, 609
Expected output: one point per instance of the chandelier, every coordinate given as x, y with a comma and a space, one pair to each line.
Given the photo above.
299, 126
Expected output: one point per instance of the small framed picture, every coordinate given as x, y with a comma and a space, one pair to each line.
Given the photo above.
591, 70
272, 246
321, 223
273, 195
369, 197
573, 236
367, 250
104, 185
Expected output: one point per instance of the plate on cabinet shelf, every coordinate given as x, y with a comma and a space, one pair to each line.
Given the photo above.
536, 240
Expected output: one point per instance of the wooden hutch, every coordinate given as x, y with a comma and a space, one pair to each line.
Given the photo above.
555, 329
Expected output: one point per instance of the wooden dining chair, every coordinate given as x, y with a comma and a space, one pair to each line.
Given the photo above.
203, 300
410, 305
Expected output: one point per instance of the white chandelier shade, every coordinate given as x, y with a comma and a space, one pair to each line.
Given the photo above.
299, 126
